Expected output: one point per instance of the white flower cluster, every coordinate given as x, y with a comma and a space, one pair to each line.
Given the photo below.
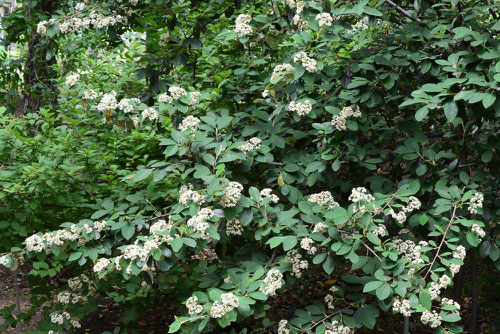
41, 28
161, 226
108, 102
37, 243
380, 230
330, 298
90, 95
132, 252
306, 244
176, 92
431, 318
360, 25
282, 327
150, 113
281, 70
302, 109
308, 63
268, 193
297, 263
232, 195
71, 24
402, 306
435, 289
454, 268
125, 105
360, 194
59, 318
228, 303
409, 250
323, 198
72, 79
4, 260
234, 227
194, 97
479, 231
324, 19
400, 217
189, 123
459, 253
297, 20
476, 202
193, 306
337, 328
272, 282
66, 297
198, 223
265, 93
101, 265
187, 194
253, 144
242, 27
339, 121
165, 98
80, 6
320, 228
413, 204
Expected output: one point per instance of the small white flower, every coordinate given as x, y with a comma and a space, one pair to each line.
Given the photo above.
242, 27
324, 19
190, 123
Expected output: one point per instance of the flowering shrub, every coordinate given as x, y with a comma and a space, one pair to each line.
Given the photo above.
259, 147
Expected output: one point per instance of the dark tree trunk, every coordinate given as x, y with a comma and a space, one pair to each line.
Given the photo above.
38, 73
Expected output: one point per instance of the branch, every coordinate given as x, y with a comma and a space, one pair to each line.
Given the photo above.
453, 216
327, 317
80, 185
273, 163
402, 11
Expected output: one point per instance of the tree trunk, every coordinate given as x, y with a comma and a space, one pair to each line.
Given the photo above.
38, 73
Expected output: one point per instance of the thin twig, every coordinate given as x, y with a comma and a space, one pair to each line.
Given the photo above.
402, 11
364, 244
80, 185
371, 250
326, 318
441, 243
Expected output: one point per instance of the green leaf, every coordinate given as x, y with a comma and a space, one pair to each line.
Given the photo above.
75, 256
373, 285
421, 113
450, 110
488, 99
425, 299
289, 242
177, 244
174, 327
472, 238
383, 291
372, 11
128, 231
328, 265
142, 174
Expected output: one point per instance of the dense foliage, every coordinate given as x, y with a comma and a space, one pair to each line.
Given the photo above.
219, 153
